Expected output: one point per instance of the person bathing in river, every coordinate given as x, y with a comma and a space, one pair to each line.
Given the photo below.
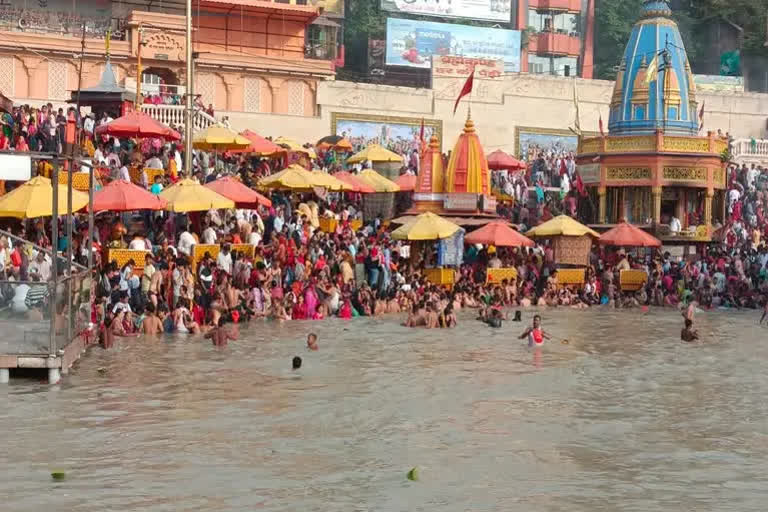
688, 334
535, 334
312, 342
219, 335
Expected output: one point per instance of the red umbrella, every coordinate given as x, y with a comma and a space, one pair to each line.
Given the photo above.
500, 160
243, 196
350, 179
259, 145
498, 233
137, 124
627, 235
124, 196
407, 182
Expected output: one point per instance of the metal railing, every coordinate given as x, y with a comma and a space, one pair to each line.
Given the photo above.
413, 79
48, 21
174, 115
321, 50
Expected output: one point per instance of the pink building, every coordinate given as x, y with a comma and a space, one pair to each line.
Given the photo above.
250, 55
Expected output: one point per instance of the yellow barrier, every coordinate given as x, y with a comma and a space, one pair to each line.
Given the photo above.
570, 276
79, 179
497, 275
355, 224
121, 257
328, 225
440, 276
135, 173
245, 250
199, 250
632, 280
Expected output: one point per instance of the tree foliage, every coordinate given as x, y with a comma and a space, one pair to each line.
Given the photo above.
614, 20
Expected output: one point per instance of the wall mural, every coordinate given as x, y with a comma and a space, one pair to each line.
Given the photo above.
398, 134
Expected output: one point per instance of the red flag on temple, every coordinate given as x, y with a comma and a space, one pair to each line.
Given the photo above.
602, 133
465, 90
701, 115
421, 136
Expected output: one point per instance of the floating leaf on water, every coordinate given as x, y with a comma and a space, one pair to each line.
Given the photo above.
58, 475
413, 474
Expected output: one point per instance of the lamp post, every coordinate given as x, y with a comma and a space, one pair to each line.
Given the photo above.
188, 112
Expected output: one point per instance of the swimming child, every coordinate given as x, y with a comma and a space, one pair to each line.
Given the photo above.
688, 334
312, 341
535, 334
296, 363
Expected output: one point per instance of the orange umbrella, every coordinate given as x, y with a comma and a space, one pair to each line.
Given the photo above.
243, 196
343, 145
137, 124
627, 235
498, 233
124, 196
500, 160
351, 179
259, 145
407, 182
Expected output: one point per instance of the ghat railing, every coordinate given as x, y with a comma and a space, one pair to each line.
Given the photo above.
174, 115
750, 150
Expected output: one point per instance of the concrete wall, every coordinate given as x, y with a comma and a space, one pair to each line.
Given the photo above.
498, 107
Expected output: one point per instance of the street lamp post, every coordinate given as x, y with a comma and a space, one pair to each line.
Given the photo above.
188, 112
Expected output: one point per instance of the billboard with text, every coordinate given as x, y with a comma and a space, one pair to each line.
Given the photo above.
413, 43
490, 10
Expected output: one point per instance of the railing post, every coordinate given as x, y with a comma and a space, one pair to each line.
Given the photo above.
54, 257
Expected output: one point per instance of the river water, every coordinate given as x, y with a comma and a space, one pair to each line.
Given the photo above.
624, 417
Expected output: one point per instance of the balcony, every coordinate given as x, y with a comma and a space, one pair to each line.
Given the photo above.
555, 5
554, 43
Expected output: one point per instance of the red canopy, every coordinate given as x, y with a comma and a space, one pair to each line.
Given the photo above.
498, 233
627, 235
500, 160
259, 145
350, 179
407, 182
243, 196
137, 124
124, 196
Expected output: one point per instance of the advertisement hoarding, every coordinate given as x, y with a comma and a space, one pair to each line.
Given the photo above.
450, 66
491, 10
413, 43
717, 83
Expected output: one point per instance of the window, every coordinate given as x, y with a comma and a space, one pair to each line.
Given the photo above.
638, 112
673, 112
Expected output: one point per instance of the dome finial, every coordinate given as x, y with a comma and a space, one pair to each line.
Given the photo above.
653, 8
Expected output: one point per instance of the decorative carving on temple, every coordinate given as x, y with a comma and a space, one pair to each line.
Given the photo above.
685, 173
162, 46
628, 173
686, 144
640, 143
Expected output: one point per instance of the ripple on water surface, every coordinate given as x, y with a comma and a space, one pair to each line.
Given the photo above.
623, 417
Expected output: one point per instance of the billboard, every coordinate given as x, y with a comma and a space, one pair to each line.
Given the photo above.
718, 83
490, 10
412, 43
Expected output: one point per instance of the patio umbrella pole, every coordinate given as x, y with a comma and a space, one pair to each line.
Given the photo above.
54, 257
189, 93
68, 287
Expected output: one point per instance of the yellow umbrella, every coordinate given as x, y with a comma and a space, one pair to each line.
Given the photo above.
292, 145
219, 138
293, 177
374, 153
377, 182
426, 226
35, 199
330, 182
561, 225
189, 196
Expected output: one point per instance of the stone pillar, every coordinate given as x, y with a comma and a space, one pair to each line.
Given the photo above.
656, 194
54, 375
5, 375
601, 191
708, 208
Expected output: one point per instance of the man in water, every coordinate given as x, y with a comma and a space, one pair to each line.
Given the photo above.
151, 324
495, 318
535, 334
219, 335
312, 341
296, 363
688, 334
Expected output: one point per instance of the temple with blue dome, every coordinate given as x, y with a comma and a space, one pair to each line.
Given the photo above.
653, 168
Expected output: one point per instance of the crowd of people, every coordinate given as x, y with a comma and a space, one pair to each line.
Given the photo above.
300, 272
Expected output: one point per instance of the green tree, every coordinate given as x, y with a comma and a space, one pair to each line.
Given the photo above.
614, 20
363, 20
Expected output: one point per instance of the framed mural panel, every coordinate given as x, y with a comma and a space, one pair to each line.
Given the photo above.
530, 142
398, 134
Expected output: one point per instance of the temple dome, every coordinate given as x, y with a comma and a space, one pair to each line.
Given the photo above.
654, 86
467, 170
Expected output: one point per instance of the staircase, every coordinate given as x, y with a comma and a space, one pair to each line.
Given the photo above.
750, 151
174, 115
